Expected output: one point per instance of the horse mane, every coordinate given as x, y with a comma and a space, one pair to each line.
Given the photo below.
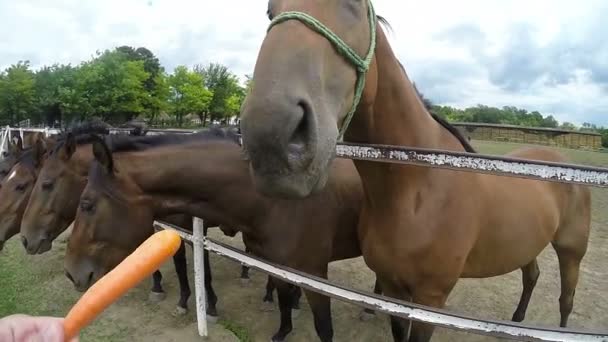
428, 105
125, 143
26, 158
384, 22
82, 132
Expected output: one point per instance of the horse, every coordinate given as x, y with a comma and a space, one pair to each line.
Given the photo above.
421, 229
17, 186
205, 175
54, 199
10, 156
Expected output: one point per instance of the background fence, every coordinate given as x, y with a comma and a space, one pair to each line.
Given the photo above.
511, 167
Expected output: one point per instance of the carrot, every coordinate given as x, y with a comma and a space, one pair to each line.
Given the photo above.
147, 258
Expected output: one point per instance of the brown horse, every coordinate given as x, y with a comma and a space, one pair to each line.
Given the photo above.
10, 156
205, 175
17, 186
54, 200
418, 232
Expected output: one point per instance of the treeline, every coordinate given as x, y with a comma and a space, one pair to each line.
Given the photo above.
126, 83
509, 115
117, 86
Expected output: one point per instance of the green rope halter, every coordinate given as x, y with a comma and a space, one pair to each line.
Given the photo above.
362, 65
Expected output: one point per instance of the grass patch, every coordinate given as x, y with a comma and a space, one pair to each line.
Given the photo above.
240, 332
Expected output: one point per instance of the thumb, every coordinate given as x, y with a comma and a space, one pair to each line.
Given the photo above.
54, 332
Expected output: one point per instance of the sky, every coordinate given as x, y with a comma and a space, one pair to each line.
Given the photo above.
544, 55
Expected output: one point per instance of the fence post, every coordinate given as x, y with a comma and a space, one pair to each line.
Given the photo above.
199, 276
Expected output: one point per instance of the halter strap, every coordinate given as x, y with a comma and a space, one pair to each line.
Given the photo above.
360, 64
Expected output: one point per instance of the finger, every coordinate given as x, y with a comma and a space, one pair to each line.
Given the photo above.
51, 330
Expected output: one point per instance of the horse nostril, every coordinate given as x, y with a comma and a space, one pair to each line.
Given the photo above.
90, 280
67, 274
24, 241
299, 138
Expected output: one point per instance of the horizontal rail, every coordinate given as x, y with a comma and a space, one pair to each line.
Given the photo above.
480, 163
443, 318
459, 161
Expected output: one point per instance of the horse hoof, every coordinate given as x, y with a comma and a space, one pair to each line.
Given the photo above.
245, 281
267, 306
212, 319
179, 311
365, 316
156, 297
295, 313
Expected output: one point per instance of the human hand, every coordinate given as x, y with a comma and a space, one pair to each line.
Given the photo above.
23, 328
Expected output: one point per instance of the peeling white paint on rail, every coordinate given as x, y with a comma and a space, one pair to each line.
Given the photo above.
513, 167
398, 308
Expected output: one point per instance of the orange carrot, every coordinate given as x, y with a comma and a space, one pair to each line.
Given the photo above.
147, 258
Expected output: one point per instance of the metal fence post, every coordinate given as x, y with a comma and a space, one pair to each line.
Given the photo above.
199, 276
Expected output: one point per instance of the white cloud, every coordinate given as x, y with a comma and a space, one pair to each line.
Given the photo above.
459, 52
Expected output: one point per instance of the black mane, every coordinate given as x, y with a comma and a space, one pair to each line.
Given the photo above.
428, 105
82, 132
26, 158
124, 143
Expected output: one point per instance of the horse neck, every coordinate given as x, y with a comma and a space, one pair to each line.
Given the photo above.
208, 180
392, 113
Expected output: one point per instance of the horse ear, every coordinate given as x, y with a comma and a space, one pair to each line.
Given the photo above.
39, 149
102, 154
69, 146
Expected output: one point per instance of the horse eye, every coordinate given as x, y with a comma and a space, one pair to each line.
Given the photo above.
3, 173
47, 185
20, 187
86, 206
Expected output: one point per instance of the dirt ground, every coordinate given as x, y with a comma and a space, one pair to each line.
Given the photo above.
36, 285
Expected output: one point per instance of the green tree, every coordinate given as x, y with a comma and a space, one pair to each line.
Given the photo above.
187, 93
604, 133
550, 122
226, 91
51, 83
17, 93
111, 87
567, 126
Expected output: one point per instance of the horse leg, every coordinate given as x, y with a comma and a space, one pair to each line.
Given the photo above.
245, 280
181, 269
210, 293
268, 301
321, 310
368, 314
530, 274
400, 327
422, 332
285, 293
157, 294
297, 294
569, 265
211, 296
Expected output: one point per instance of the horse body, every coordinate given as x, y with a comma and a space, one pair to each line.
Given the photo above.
208, 178
421, 229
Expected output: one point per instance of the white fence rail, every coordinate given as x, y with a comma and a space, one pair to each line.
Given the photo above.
512, 167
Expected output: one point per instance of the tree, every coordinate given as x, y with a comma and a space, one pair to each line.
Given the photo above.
187, 93
51, 82
604, 133
17, 93
550, 122
111, 87
226, 91
567, 126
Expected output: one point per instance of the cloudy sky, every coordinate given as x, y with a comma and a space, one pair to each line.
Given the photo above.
545, 55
